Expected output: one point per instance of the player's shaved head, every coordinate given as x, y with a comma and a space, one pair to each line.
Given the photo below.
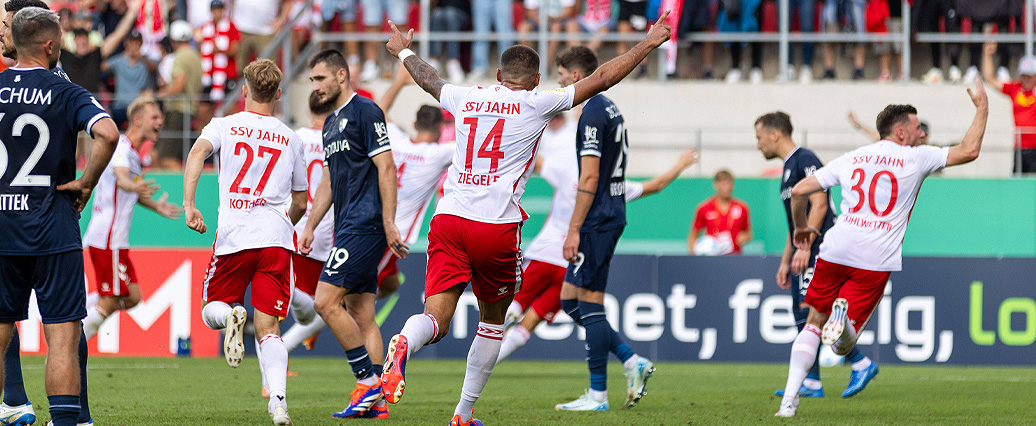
32, 27
520, 64
776, 120
579, 58
263, 79
12, 7
318, 108
429, 119
891, 116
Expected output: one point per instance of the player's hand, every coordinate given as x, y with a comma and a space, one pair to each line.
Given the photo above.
145, 188
78, 189
687, 158
395, 241
398, 41
800, 261
571, 248
194, 219
659, 33
978, 96
167, 209
801, 237
306, 242
783, 280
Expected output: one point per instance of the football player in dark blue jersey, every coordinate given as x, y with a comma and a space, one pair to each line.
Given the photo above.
596, 225
360, 177
773, 135
40, 199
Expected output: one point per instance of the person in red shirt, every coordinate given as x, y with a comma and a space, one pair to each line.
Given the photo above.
724, 220
1023, 101
218, 47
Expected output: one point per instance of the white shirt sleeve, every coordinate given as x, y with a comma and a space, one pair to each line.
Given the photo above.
828, 175
550, 102
213, 132
299, 172
121, 156
451, 97
634, 190
932, 158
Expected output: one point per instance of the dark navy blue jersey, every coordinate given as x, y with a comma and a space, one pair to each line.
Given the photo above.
41, 115
800, 164
602, 133
352, 135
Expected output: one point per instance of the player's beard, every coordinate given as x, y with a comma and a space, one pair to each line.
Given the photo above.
329, 101
9, 52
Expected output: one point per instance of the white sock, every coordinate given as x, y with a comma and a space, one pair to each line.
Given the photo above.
481, 359
259, 354
215, 314
302, 307
812, 383
95, 316
803, 354
861, 364
517, 337
298, 333
599, 396
630, 363
92, 298
419, 330
274, 360
515, 308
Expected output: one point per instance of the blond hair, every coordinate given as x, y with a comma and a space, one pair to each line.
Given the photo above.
263, 79
138, 106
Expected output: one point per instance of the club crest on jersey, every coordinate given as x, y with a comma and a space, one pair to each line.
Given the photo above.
342, 124
787, 174
17, 78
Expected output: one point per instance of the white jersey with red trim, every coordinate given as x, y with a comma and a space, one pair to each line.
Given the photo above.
879, 183
498, 130
558, 169
261, 163
324, 234
113, 207
419, 167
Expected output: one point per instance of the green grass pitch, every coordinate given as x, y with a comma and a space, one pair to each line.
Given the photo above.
186, 391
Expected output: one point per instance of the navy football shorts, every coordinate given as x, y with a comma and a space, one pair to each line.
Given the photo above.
58, 280
353, 264
596, 248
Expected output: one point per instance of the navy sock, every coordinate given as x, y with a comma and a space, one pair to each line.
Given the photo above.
64, 409
598, 343
14, 388
619, 347
84, 400
379, 369
571, 307
854, 356
360, 362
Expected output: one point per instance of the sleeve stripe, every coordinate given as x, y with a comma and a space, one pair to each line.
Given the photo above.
94, 120
380, 150
591, 152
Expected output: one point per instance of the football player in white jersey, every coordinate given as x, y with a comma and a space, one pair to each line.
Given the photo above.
107, 236
544, 270
879, 183
262, 194
475, 234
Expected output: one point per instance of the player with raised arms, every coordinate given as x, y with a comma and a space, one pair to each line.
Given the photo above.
262, 194
40, 201
475, 234
107, 236
879, 184
360, 178
773, 139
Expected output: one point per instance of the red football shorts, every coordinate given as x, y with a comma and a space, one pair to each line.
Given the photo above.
485, 254
268, 270
387, 266
541, 289
113, 270
863, 289
307, 273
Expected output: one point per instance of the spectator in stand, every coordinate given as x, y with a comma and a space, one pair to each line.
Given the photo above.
595, 18
152, 22
449, 15
1023, 101
345, 10
133, 73
886, 17
632, 18
559, 13
742, 16
218, 45
357, 85
302, 30
807, 12
927, 14
851, 12
109, 15
374, 15
180, 96
723, 218
698, 16
83, 63
65, 20
257, 21
985, 15
82, 20
489, 15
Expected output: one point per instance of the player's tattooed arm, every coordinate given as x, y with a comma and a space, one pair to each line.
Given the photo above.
424, 75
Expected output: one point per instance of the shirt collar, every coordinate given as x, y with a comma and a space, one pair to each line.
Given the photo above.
346, 103
790, 154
